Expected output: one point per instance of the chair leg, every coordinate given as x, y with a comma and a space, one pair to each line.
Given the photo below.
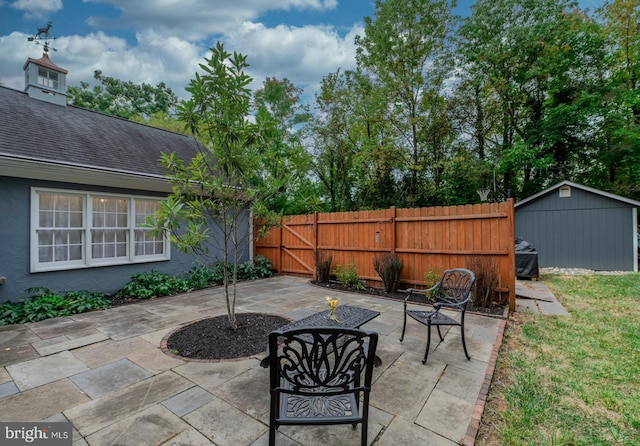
272, 436
363, 438
464, 344
426, 352
439, 333
404, 326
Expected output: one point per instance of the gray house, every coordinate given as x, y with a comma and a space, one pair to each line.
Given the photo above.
571, 225
74, 184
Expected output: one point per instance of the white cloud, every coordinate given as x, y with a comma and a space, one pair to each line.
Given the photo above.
198, 19
302, 54
36, 9
172, 37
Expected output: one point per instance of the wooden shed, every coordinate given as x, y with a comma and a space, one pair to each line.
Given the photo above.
576, 226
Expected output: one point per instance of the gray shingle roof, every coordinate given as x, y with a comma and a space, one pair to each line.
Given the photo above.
35, 130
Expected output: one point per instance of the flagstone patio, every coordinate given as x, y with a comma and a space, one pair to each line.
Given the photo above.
104, 372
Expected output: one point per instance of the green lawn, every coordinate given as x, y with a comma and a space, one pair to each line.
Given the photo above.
571, 380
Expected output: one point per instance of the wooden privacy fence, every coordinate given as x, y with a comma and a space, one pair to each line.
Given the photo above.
435, 238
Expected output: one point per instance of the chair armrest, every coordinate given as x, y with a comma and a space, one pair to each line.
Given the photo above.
426, 293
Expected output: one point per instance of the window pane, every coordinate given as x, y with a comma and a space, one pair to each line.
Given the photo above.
98, 220
45, 254
60, 254
75, 219
121, 249
75, 237
46, 202
75, 203
46, 219
45, 238
61, 220
96, 251
75, 252
62, 203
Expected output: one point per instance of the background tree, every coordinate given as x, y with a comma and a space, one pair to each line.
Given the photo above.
217, 188
619, 151
404, 50
334, 146
286, 162
123, 99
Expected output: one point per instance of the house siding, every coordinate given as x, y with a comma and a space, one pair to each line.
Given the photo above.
584, 230
15, 239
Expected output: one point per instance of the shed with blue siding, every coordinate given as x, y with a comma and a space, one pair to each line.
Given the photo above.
575, 226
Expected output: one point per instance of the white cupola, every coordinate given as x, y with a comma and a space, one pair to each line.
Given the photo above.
43, 79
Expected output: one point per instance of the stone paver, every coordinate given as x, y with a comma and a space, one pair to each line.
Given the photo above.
154, 425
61, 343
124, 403
108, 378
16, 354
404, 432
188, 401
111, 351
446, 414
42, 402
37, 372
224, 424
7, 389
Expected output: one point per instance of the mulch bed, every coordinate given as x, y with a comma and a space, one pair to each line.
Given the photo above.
213, 338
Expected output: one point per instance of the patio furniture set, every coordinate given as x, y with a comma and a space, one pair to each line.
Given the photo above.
321, 366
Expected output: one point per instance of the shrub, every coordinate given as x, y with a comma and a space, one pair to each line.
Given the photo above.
486, 272
150, 284
262, 267
201, 276
348, 275
389, 267
323, 266
45, 304
432, 277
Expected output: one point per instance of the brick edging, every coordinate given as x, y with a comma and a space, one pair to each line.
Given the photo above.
474, 425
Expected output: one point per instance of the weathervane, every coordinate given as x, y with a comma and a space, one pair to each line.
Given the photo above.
43, 33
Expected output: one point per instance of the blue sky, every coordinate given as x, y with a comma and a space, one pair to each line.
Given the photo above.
156, 41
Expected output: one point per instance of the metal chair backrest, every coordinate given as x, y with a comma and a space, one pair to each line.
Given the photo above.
455, 287
321, 360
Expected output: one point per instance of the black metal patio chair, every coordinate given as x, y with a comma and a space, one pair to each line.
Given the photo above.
318, 376
452, 291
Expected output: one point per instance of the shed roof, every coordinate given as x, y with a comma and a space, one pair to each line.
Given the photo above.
49, 134
578, 186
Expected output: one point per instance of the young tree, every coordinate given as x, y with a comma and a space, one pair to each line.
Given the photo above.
218, 187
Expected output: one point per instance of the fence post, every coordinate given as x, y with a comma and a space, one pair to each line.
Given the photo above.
315, 244
393, 229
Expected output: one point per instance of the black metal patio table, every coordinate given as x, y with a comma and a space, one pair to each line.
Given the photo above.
346, 316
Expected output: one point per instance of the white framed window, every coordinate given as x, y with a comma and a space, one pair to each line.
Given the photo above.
74, 229
47, 78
